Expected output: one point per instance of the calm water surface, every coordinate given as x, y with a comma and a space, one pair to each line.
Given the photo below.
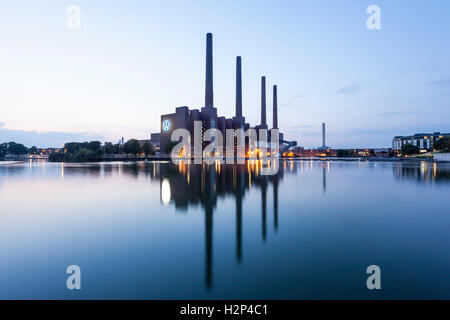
164, 231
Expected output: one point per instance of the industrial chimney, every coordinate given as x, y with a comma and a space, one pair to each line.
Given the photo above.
275, 108
209, 100
324, 146
238, 88
263, 102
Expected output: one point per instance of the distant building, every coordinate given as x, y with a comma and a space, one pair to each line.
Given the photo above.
301, 152
363, 152
318, 153
424, 141
142, 142
155, 140
382, 152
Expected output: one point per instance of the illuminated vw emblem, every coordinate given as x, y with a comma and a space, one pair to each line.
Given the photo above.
166, 125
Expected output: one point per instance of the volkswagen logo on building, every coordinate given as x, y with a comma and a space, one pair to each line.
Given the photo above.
166, 125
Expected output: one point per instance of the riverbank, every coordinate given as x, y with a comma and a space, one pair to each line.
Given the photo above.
349, 159
153, 159
5, 163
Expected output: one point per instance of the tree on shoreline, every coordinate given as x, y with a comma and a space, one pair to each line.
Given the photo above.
169, 146
33, 150
132, 146
79, 151
148, 149
442, 144
409, 149
13, 148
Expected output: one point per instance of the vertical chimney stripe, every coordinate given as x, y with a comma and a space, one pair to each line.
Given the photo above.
238, 88
275, 108
323, 136
209, 100
263, 101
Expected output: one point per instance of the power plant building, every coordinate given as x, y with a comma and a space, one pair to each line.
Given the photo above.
183, 117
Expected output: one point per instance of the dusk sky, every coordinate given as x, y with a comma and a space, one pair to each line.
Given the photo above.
132, 61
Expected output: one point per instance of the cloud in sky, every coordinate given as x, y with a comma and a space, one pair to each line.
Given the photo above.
306, 126
445, 82
302, 131
350, 89
397, 113
293, 100
45, 139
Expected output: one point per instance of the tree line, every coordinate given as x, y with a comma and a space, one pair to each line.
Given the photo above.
95, 151
15, 149
81, 151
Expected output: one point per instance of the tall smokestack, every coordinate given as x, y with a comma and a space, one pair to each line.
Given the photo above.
238, 88
209, 100
263, 102
275, 108
323, 135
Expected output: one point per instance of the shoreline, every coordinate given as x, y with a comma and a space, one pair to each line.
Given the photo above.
346, 159
8, 162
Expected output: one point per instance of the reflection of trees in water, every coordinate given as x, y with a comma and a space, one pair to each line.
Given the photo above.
88, 170
423, 172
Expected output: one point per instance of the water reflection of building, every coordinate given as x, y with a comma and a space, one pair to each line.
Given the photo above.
424, 172
185, 185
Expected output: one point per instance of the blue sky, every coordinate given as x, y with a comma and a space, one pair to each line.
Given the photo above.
134, 60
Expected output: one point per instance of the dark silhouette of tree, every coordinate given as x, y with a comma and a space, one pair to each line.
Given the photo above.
108, 147
17, 148
111, 148
33, 150
169, 146
132, 146
73, 147
94, 146
408, 149
3, 149
442, 144
148, 149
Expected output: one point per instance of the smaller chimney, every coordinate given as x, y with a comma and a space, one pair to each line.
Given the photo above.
323, 136
275, 108
263, 102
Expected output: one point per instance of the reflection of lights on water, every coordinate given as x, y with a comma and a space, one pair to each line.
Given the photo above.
165, 191
423, 167
424, 171
434, 170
